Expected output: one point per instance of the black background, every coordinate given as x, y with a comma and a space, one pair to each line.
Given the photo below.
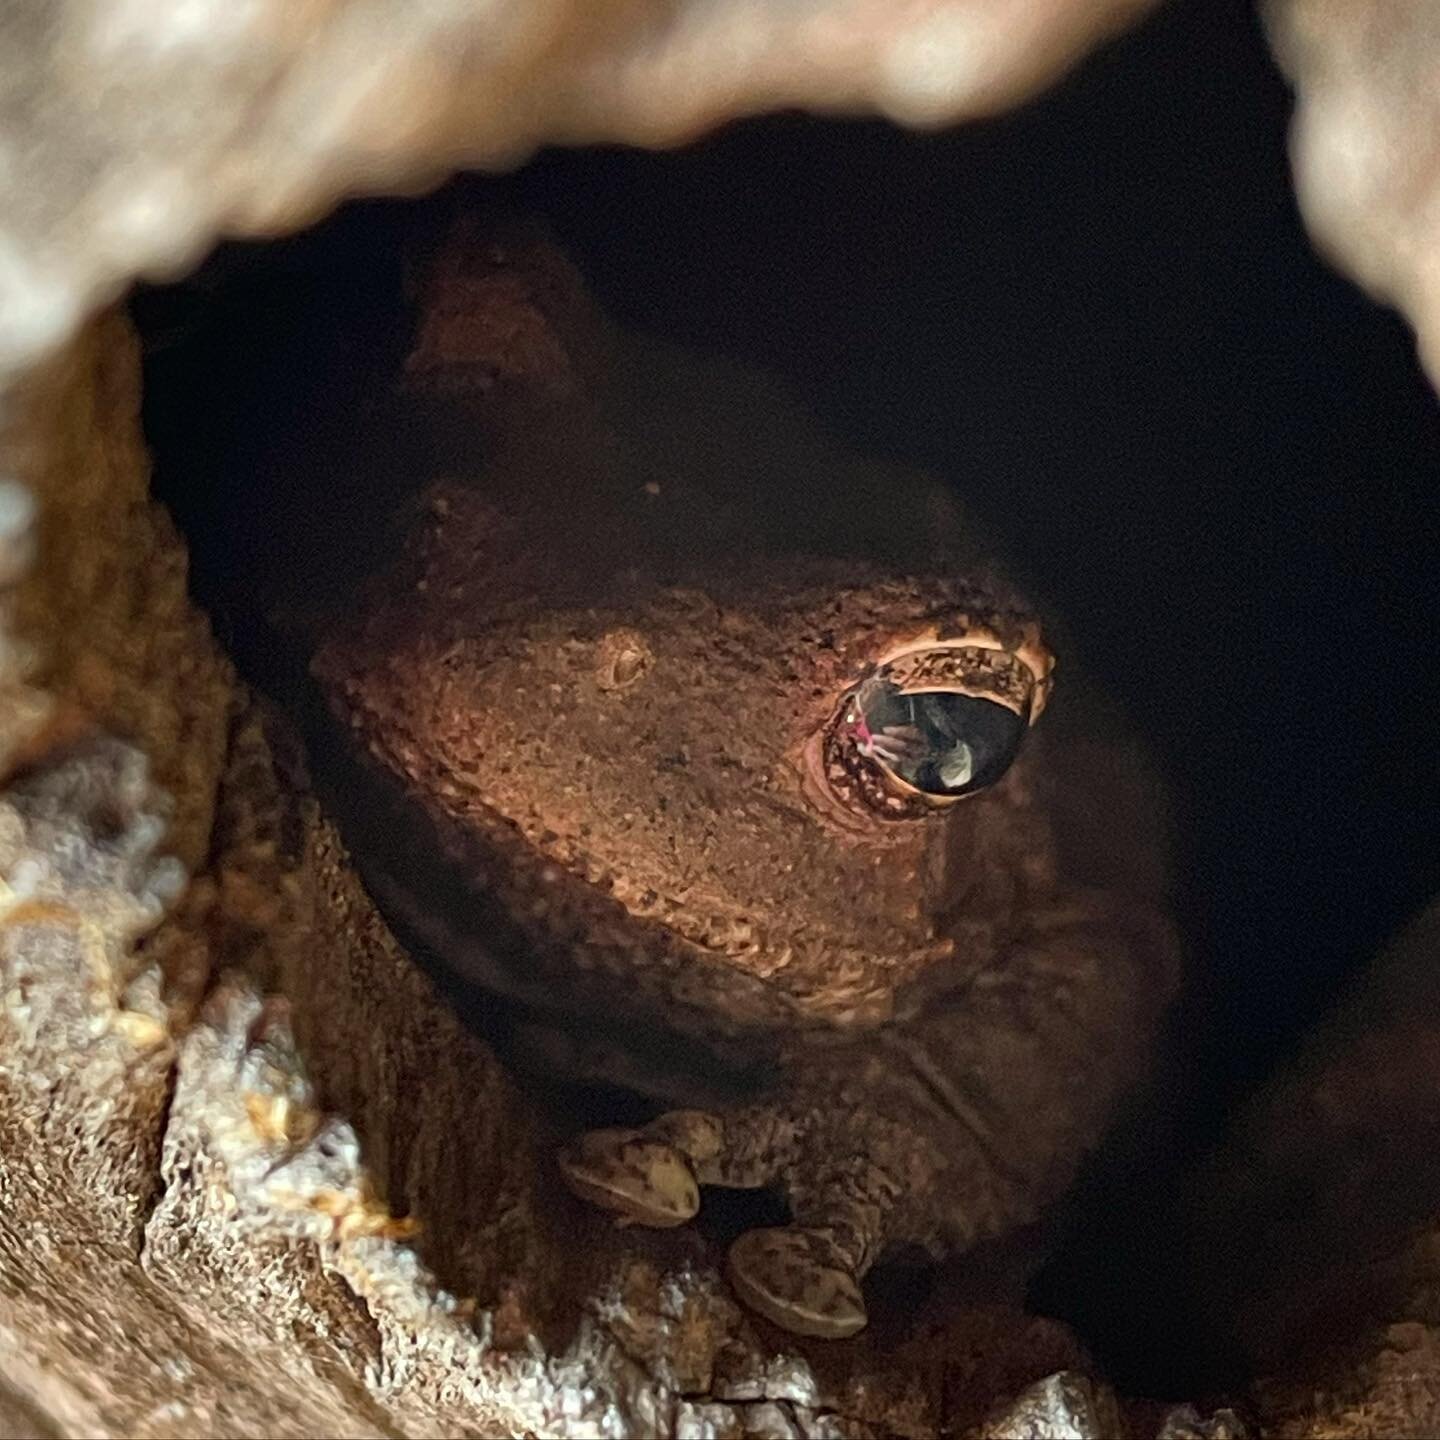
1101, 320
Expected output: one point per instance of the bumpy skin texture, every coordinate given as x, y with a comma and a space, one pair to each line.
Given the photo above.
581, 714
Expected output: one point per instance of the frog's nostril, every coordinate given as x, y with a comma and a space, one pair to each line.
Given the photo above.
627, 667
623, 658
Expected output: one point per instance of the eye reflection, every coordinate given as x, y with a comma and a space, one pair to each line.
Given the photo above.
938, 742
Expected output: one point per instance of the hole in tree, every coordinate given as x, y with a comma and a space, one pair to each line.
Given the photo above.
1100, 319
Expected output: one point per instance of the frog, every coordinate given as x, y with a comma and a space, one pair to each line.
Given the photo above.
724, 766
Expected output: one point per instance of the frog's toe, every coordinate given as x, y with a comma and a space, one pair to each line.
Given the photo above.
639, 1178
798, 1279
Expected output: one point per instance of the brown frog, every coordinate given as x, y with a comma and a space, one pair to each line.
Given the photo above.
721, 758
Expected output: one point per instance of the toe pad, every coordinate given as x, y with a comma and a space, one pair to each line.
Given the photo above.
797, 1280
640, 1180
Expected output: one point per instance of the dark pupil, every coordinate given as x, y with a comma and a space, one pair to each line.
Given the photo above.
942, 744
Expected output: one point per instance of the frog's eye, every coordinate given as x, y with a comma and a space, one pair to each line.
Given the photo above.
932, 723
941, 744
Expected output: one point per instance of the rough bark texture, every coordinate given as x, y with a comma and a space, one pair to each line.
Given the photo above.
133, 132
1365, 145
1323, 1205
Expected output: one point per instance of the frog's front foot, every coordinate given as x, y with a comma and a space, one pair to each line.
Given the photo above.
803, 1277
639, 1178
800, 1278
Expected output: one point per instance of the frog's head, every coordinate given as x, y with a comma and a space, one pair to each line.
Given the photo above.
751, 765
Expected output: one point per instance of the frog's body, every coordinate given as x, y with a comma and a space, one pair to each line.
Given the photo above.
751, 820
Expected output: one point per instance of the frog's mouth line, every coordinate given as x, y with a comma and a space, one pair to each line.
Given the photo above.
931, 722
